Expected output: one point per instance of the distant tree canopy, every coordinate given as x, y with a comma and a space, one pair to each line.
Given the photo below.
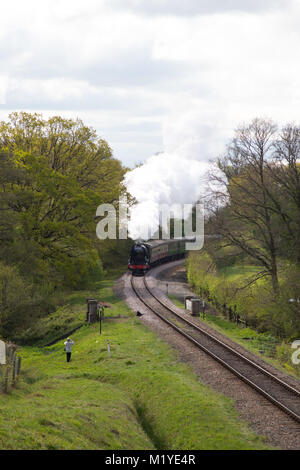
54, 174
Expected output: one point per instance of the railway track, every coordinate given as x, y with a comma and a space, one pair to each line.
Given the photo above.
271, 387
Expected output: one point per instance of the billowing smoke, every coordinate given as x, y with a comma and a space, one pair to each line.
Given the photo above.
178, 175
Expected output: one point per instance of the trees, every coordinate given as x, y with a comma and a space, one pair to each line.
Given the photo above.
258, 195
55, 173
246, 220
284, 170
254, 204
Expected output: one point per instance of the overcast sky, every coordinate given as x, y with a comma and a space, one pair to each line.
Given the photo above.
150, 75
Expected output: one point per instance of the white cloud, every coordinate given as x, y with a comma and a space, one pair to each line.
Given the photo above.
3, 88
196, 68
193, 7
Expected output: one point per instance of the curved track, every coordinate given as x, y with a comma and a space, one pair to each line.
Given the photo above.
274, 389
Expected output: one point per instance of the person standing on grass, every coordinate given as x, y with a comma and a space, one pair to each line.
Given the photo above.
68, 348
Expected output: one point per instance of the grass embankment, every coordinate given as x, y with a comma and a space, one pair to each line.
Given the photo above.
140, 398
261, 344
222, 284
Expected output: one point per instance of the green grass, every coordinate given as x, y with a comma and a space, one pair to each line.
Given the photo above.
140, 398
176, 301
237, 272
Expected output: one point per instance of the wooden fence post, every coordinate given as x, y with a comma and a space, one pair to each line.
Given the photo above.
14, 370
18, 366
6, 379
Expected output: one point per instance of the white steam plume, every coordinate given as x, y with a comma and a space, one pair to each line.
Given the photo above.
179, 175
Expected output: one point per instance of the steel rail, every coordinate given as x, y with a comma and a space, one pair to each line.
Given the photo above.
226, 347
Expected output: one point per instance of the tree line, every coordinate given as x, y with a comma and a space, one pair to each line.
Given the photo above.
54, 174
254, 203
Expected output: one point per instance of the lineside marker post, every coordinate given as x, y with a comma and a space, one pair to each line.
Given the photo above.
18, 367
108, 348
14, 369
6, 379
101, 317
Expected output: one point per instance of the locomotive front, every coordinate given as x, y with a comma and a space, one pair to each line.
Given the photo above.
139, 259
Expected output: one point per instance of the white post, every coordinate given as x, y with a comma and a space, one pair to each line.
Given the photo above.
108, 348
2, 352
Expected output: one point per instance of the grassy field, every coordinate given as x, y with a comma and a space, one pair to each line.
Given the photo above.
141, 397
236, 272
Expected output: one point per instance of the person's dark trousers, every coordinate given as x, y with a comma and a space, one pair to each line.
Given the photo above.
68, 356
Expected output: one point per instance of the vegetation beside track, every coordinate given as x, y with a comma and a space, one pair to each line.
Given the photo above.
55, 172
139, 398
224, 286
261, 344
70, 315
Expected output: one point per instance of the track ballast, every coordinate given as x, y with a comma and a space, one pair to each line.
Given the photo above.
274, 389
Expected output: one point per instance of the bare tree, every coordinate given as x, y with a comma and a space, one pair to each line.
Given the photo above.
285, 173
242, 207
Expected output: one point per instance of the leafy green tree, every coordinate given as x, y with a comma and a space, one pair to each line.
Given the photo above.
55, 174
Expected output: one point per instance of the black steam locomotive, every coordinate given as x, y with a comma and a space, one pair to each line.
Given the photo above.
139, 259
144, 255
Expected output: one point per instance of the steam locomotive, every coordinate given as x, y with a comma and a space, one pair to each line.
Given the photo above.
145, 255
